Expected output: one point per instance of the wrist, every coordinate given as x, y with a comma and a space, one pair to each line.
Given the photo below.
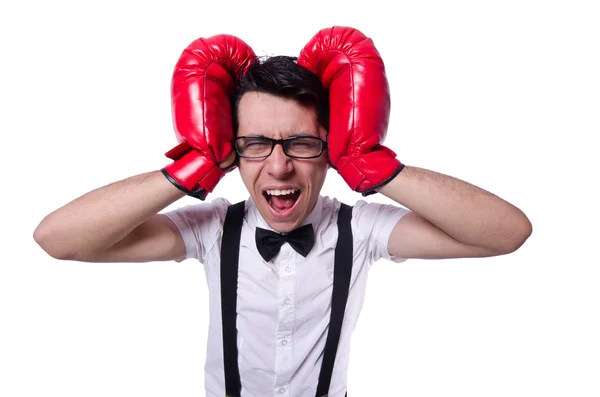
366, 173
193, 174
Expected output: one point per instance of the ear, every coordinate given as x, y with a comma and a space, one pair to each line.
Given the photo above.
323, 133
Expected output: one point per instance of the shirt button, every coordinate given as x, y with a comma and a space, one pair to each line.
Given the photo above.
282, 390
288, 269
287, 301
284, 342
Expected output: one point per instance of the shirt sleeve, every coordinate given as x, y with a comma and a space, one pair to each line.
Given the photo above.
374, 223
200, 226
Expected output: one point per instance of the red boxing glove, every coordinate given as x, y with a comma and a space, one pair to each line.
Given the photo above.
351, 68
202, 86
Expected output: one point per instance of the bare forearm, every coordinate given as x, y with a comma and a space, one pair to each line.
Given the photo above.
101, 218
465, 212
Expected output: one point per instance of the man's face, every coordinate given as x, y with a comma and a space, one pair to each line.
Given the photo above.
300, 180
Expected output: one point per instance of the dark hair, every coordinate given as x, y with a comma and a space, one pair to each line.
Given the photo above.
282, 76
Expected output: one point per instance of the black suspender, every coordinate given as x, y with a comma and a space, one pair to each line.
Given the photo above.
230, 248
341, 283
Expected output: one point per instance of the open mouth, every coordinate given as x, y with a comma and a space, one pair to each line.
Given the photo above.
282, 201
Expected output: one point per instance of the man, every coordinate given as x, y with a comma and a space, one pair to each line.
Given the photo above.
281, 315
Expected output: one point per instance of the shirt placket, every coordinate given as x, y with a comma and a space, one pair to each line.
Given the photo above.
286, 317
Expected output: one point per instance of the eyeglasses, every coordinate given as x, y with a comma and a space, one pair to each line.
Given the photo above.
300, 147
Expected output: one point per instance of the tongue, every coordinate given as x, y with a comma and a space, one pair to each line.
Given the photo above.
283, 202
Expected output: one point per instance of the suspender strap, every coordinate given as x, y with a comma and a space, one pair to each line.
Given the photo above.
230, 250
341, 285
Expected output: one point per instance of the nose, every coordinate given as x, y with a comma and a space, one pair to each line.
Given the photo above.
278, 163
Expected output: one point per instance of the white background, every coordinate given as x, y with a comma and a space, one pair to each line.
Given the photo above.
504, 95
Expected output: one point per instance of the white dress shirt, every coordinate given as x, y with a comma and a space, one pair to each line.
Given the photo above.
284, 305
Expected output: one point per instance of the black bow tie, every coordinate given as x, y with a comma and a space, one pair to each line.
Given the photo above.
269, 243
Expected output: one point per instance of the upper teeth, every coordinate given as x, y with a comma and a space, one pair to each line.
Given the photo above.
277, 192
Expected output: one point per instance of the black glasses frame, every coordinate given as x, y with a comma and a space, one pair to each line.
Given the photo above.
283, 145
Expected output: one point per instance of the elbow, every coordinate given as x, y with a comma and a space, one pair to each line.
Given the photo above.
59, 247
525, 229
521, 232
43, 238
